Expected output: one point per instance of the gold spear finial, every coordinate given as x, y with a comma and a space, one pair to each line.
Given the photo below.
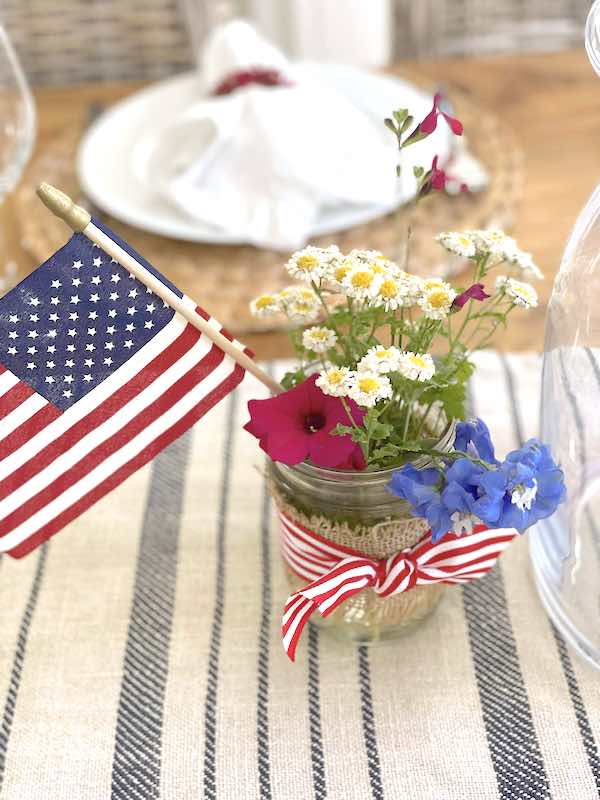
76, 217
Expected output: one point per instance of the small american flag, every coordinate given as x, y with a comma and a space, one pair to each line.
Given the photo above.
97, 375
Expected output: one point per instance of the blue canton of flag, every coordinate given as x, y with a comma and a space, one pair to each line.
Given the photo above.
97, 375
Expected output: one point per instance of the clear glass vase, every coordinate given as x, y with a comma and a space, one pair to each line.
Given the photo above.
565, 548
355, 509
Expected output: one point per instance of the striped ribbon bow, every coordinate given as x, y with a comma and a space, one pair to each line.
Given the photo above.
336, 572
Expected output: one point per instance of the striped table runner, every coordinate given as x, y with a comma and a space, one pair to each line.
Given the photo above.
140, 654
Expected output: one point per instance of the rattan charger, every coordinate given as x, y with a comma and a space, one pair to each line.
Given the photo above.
224, 278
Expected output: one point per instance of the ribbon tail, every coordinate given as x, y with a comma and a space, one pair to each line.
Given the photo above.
297, 612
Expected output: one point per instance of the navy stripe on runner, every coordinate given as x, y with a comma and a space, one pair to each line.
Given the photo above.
138, 741
368, 723
512, 739
10, 703
210, 705
314, 716
262, 703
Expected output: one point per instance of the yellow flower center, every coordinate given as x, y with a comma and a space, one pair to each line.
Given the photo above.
335, 376
340, 272
362, 280
319, 336
388, 288
432, 283
307, 263
264, 301
438, 298
306, 294
378, 269
464, 240
418, 361
382, 353
302, 307
368, 385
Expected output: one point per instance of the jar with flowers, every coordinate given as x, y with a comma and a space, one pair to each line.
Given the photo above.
385, 491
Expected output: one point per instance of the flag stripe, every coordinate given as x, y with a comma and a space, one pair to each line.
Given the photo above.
142, 457
43, 437
14, 397
136, 769
105, 414
107, 446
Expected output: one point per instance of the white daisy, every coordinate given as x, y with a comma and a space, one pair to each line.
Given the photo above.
436, 298
339, 268
312, 263
335, 381
367, 388
461, 244
395, 291
524, 260
380, 360
490, 243
416, 366
359, 283
522, 294
319, 339
264, 305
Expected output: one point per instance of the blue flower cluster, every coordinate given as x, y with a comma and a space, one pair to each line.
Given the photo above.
478, 489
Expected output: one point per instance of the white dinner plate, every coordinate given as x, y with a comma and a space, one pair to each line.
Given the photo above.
105, 162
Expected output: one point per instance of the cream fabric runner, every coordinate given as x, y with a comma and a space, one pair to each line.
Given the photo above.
140, 654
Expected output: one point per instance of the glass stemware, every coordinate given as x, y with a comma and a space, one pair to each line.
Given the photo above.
17, 134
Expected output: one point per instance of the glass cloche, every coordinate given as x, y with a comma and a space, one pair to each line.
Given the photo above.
565, 548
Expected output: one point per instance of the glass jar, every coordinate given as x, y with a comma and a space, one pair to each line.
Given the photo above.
355, 509
565, 548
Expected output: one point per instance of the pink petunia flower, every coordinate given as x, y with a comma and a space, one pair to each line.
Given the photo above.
297, 425
429, 124
435, 179
474, 292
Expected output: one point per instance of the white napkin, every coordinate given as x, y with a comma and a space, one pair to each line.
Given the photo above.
261, 162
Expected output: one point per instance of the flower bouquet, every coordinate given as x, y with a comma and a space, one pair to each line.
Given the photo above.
386, 491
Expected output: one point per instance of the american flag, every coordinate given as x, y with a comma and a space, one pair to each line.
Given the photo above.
97, 375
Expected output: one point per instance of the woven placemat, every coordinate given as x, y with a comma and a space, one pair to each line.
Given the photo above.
224, 278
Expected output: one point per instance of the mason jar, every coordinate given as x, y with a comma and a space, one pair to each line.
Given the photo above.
355, 509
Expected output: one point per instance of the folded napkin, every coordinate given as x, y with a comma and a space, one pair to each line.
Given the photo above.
266, 149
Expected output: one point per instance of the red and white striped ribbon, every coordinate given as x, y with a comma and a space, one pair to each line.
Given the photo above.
336, 573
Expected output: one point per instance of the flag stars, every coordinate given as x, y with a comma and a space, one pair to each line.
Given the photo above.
109, 346
12, 351
13, 335
131, 310
34, 318
49, 379
149, 324
53, 317
72, 332
94, 298
34, 301
32, 350
51, 349
87, 378
96, 280
90, 347
112, 313
93, 315
98, 262
74, 316
77, 264
71, 348
76, 281
108, 361
128, 344
133, 293
74, 299
54, 301
111, 329
114, 296
150, 308
89, 362
32, 334
50, 364
115, 277
67, 393
69, 363
68, 379
56, 284
91, 331
52, 334
30, 365
130, 327
13, 318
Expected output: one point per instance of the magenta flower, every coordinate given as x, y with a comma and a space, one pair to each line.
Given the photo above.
297, 425
438, 177
474, 292
429, 124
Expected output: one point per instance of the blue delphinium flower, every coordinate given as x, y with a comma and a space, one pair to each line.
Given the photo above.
473, 437
526, 487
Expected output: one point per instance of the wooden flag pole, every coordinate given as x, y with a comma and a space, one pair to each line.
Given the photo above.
80, 221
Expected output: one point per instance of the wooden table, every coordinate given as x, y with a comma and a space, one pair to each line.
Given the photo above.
552, 102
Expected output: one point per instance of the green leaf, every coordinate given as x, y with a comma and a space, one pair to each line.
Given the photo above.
386, 451
418, 171
389, 123
291, 379
407, 123
400, 115
398, 170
